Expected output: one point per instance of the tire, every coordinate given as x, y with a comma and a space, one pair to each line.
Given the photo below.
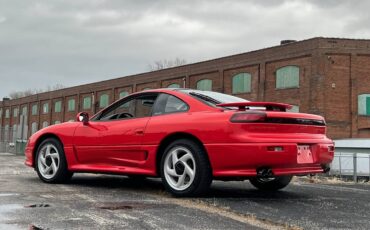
50, 162
137, 177
185, 169
271, 183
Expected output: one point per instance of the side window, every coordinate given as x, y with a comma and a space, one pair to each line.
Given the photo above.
137, 107
169, 104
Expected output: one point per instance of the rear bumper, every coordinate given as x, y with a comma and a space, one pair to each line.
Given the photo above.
244, 159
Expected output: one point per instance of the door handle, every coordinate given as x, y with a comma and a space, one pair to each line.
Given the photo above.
139, 132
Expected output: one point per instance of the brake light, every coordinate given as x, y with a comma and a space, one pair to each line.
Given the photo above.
255, 116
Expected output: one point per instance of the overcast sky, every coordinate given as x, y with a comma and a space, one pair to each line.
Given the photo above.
71, 42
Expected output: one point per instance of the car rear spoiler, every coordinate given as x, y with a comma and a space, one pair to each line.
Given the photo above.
270, 106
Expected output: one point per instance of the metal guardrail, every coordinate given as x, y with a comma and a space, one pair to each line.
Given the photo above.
354, 165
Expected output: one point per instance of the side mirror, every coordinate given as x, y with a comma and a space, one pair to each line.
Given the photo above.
83, 117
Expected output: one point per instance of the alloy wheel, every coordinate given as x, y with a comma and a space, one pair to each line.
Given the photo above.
48, 161
179, 168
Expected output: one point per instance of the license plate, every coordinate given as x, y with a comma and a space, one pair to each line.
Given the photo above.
304, 154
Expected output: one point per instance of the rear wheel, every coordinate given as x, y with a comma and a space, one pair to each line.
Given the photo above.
271, 183
185, 169
51, 165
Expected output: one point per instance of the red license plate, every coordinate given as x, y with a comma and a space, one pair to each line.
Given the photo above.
304, 154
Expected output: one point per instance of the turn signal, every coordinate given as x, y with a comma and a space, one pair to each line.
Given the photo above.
255, 116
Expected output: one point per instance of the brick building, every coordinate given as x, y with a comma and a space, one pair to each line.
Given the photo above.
325, 76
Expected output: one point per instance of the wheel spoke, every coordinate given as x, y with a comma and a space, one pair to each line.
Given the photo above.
185, 157
43, 160
170, 171
47, 170
181, 180
47, 151
54, 155
189, 171
174, 158
53, 165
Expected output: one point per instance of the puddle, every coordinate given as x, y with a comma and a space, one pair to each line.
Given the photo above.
7, 209
8, 194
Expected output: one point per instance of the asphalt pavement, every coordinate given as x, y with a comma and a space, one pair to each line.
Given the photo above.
92, 201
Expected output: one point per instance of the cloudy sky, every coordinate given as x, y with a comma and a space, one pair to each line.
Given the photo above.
71, 42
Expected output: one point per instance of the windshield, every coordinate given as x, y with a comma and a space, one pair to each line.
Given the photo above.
212, 98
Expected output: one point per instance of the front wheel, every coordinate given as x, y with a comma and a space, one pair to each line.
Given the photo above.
185, 169
271, 183
51, 165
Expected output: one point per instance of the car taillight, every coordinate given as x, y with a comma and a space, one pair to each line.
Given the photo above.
255, 116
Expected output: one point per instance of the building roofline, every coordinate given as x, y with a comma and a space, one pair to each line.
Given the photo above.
196, 63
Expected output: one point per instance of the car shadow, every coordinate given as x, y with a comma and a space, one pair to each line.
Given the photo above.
228, 190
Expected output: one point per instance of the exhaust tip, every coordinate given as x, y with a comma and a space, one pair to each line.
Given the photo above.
264, 172
325, 167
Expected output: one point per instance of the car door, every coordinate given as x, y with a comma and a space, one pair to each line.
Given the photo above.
118, 130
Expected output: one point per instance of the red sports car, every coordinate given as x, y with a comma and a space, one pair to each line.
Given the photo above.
188, 138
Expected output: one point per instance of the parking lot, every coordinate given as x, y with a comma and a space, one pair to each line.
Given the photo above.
116, 202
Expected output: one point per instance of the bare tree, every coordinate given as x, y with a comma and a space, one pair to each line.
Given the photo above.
164, 64
29, 92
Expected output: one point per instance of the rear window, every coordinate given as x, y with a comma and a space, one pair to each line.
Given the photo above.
212, 98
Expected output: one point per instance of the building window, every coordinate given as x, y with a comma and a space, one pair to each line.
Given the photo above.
56, 122
45, 108
58, 107
45, 124
287, 77
294, 109
34, 109
24, 111
174, 85
205, 84
6, 133
14, 131
15, 112
33, 127
364, 104
241, 83
104, 101
1, 115
123, 94
86, 103
7, 113
71, 105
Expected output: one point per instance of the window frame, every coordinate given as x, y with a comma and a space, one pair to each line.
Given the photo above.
15, 112
288, 87
83, 102
7, 113
34, 110
240, 75
45, 105
100, 100
168, 86
69, 103
115, 105
366, 96
168, 95
59, 110
123, 91
205, 79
